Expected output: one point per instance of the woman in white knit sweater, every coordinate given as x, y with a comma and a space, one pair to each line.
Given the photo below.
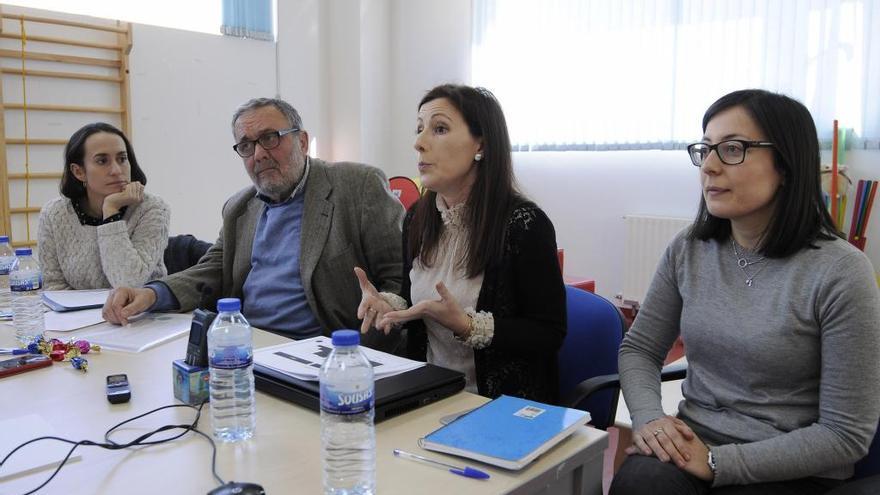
105, 231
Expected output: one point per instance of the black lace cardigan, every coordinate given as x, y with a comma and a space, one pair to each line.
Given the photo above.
524, 292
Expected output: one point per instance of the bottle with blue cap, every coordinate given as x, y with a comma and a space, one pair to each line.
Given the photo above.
348, 439
231, 363
26, 284
7, 258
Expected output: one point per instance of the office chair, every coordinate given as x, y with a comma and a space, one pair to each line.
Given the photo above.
869, 466
595, 329
405, 189
183, 251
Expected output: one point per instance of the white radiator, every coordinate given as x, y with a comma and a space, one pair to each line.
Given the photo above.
646, 240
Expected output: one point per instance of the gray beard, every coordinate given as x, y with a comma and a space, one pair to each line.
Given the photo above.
282, 190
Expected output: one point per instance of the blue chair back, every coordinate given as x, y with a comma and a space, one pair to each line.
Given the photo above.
595, 329
183, 251
870, 464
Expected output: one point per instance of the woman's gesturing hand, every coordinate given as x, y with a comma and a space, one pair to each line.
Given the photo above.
445, 311
372, 308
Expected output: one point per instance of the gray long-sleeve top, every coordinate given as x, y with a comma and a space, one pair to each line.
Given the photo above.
789, 366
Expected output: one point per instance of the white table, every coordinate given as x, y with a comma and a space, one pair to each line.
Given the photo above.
283, 456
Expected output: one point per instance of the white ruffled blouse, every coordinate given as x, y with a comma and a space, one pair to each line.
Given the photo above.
443, 348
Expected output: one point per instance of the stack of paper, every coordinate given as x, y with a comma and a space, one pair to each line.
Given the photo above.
147, 331
303, 359
72, 320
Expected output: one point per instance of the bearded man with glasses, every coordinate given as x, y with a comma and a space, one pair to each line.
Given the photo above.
289, 242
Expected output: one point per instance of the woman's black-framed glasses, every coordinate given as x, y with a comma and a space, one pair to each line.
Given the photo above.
731, 152
269, 140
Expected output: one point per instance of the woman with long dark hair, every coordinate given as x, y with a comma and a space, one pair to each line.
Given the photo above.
779, 315
105, 231
482, 288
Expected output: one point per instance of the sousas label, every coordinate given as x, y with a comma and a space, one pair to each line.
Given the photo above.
346, 402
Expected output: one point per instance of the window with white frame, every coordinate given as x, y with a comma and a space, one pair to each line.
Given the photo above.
636, 74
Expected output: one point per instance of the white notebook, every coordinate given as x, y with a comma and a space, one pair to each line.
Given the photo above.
37, 456
72, 320
74, 300
144, 332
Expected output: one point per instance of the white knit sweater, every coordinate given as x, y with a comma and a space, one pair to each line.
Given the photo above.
125, 253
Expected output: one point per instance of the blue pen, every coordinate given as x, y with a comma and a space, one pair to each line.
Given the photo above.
13, 350
467, 472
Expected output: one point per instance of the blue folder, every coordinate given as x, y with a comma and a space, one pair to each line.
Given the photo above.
507, 432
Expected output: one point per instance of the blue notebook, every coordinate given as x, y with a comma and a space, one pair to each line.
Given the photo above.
507, 432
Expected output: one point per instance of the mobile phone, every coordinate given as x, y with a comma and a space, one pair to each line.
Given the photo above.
197, 348
21, 364
118, 390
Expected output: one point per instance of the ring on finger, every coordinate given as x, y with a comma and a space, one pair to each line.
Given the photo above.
658, 431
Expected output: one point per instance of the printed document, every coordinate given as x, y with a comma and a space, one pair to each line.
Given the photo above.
303, 359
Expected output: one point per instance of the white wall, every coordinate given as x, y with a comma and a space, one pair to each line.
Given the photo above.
184, 88
375, 83
303, 63
430, 45
586, 194
356, 69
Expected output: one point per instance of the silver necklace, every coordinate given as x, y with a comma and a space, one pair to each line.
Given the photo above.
743, 262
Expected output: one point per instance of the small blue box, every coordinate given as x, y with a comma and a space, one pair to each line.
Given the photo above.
190, 382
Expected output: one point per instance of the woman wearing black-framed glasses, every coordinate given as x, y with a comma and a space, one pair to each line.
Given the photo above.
780, 319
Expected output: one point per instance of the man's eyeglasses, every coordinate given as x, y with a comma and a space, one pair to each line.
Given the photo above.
268, 141
732, 152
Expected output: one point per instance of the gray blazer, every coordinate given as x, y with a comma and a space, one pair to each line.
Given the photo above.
350, 219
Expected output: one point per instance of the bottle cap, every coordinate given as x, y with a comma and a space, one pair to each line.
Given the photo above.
23, 252
4, 238
346, 337
229, 304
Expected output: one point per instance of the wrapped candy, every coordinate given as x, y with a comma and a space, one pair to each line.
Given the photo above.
80, 363
83, 346
70, 351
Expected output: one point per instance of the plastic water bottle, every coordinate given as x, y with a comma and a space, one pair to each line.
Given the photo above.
7, 258
348, 440
26, 283
231, 362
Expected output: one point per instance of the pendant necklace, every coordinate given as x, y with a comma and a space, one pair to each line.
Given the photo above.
743, 262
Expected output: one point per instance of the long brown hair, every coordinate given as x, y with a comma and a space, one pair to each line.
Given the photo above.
492, 196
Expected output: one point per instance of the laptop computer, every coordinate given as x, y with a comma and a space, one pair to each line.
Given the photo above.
395, 395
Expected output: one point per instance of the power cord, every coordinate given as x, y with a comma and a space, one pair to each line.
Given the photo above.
142, 440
